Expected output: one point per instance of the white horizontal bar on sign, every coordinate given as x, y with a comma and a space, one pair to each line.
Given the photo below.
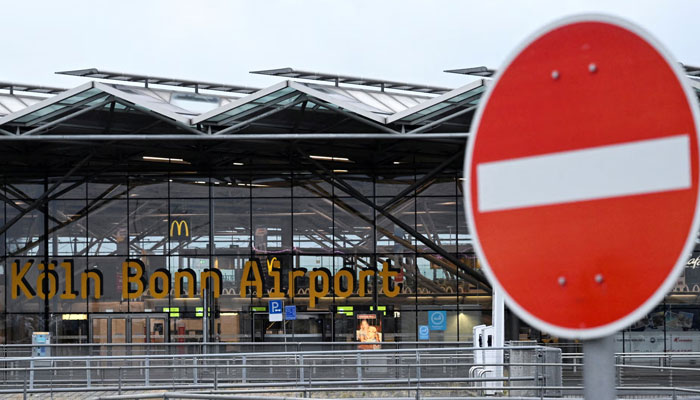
632, 168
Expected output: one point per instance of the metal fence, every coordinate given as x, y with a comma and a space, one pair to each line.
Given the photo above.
412, 369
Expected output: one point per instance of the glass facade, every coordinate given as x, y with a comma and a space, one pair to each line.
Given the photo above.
323, 243
63, 262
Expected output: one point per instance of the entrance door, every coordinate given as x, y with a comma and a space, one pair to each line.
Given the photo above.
128, 328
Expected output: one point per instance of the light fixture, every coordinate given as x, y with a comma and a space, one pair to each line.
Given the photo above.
338, 171
328, 158
238, 163
164, 159
252, 185
74, 317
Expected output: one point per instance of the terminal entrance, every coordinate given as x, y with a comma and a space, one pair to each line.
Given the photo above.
128, 328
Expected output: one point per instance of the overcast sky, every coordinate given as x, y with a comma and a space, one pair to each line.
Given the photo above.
220, 41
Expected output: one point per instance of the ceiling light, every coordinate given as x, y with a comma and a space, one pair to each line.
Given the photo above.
328, 158
238, 163
338, 171
252, 185
165, 159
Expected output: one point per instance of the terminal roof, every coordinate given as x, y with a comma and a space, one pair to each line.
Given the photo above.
155, 80
20, 87
352, 80
473, 71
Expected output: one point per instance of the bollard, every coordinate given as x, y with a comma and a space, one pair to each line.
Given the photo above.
120, 380
359, 366
216, 378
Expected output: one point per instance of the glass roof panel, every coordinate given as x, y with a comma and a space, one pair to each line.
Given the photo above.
40, 113
365, 98
232, 112
390, 101
77, 98
12, 103
31, 100
339, 97
274, 95
426, 111
66, 103
408, 101
147, 98
272, 98
458, 101
467, 95
194, 102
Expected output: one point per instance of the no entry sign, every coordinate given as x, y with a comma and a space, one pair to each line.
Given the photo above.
582, 190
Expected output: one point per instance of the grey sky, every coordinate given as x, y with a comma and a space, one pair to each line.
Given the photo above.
221, 41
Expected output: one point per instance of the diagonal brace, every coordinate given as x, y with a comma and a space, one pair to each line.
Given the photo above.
337, 182
44, 197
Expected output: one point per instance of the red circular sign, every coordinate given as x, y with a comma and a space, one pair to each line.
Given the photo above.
582, 191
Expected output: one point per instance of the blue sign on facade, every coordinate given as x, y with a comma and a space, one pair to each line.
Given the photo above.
275, 310
423, 332
437, 320
290, 313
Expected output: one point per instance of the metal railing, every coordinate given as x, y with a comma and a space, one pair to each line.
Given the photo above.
400, 368
171, 348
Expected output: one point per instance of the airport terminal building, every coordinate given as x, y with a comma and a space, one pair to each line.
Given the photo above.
140, 209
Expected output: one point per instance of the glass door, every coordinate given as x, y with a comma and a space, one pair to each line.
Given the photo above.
128, 328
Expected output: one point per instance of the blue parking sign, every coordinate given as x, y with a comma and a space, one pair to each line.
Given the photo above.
423, 332
275, 310
437, 320
290, 313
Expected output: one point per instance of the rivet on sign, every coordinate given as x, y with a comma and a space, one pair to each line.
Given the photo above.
555, 74
592, 68
562, 281
599, 278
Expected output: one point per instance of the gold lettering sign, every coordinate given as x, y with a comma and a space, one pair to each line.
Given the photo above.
134, 277
320, 280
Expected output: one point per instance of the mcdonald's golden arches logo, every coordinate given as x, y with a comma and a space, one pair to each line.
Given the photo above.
179, 228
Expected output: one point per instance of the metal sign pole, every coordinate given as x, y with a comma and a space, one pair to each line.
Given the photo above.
599, 368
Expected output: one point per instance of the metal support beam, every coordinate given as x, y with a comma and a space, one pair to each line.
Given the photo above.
437, 123
339, 183
247, 122
66, 118
268, 104
422, 180
403, 242
46, 194
360, 119
252, 136
154, 114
